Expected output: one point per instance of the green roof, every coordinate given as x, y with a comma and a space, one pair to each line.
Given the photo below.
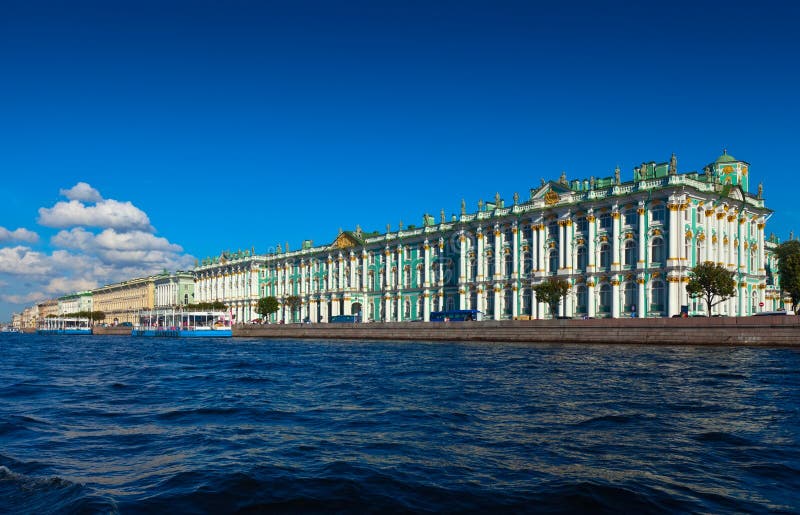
725, 158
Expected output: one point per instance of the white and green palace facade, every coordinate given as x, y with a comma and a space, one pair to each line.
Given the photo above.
626, 248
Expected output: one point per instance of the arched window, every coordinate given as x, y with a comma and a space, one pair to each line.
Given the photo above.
687, 249
582, 300
657, 296
526, 302
508, 301
630, 296
407, 277
553, 262
473, 300
657, 251
509, 262
490, 304
527, 263
582, 258
407, 310
630, 253
605, 298
450, 304
489, 266
702, 255
605, 256
420, 308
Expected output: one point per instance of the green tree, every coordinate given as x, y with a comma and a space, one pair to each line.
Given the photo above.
294, 302
551, 292
267, 306
789, 269
711, 282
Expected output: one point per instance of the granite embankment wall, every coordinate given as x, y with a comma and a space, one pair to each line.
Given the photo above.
769, 331
114, 331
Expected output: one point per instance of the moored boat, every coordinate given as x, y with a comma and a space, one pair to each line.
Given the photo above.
183, 324
64, 325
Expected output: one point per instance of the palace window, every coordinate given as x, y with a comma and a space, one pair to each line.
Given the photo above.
605, 221
657, 296
630, 253
630, 296
526, 302
509, 262
582, 258
553, 262
582, 300
631, 217
605, 256
508, 301
581, 224
527, 263
657, 251
605, 298
657, 214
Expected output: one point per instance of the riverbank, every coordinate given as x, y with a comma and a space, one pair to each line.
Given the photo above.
748, 331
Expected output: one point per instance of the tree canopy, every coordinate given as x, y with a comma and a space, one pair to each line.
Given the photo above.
267, 306
551, 292
711, 282
789, 269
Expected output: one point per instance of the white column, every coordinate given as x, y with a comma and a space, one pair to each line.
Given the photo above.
641, 308
615, 236
427, 265
642, 239
515, 267
568, 241
562, 246
591, 245
498, 255
615, 297
426, 306
480, 255
400, 273
540, 247
674, 231
590, 292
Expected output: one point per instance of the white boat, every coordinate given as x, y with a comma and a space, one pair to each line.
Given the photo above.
183, 324
64, 325
9, 329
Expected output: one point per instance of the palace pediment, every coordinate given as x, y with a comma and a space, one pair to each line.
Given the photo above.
551, 193
346, 240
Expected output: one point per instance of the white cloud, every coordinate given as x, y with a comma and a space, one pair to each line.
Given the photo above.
106, 214
23, 261
23, 298
82, 192
21, 234
62, 285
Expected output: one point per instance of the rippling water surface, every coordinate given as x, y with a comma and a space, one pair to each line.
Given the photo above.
117, 424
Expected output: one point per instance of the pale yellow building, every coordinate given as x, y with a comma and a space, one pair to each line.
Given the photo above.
122, 301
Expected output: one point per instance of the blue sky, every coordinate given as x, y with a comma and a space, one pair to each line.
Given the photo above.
139, 135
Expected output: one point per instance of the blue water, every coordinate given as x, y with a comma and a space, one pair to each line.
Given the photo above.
122, 425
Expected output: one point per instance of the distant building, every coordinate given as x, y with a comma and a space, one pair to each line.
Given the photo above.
75, 303
122, 302
174, 289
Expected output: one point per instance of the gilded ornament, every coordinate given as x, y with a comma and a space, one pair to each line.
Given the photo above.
551, 197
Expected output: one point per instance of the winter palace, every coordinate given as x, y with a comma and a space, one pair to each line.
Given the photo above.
625, 247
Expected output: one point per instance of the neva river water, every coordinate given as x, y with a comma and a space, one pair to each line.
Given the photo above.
117, 424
